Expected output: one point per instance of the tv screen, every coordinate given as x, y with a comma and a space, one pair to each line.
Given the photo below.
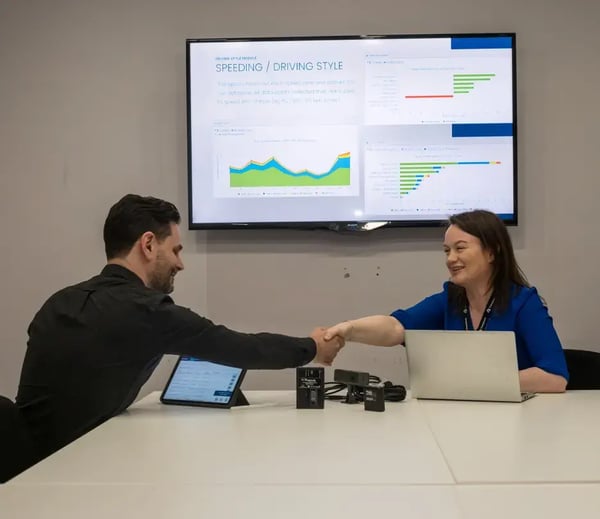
350, 132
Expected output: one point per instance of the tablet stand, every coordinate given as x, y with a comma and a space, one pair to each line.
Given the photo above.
239, 399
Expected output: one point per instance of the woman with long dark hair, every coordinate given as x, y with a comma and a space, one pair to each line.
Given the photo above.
487, 291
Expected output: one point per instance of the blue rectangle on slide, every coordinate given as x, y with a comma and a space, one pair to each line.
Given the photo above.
482, 130
500, 42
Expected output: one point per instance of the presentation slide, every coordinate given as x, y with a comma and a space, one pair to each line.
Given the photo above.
350, 129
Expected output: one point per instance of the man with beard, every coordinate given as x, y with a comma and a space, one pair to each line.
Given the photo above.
93, 345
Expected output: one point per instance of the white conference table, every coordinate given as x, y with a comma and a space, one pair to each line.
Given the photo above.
22, 501
267, 443
550, 438
423, 459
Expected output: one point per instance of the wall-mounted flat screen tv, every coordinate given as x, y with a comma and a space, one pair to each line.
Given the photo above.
350, 132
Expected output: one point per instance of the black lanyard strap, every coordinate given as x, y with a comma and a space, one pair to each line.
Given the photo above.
484, 318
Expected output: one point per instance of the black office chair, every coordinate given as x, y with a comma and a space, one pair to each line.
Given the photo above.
584, 369
16, 447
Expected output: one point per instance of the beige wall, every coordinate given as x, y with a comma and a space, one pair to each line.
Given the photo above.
92, 105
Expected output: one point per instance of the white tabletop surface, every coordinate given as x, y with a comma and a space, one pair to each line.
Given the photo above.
550, 438
166, 501
270, 443
418, 459
228, 501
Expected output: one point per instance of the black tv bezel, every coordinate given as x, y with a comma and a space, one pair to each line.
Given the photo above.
349, 225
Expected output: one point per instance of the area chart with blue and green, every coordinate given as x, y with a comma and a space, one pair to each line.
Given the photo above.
413, 173
272, 173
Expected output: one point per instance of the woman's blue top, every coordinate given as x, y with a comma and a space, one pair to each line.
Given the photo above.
538, 344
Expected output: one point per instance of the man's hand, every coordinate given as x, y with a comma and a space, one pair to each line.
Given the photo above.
326, 349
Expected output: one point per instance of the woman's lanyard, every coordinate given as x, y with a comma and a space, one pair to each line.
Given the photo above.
484, 317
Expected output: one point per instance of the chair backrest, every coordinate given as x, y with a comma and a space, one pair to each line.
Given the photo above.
16, 447
584, 369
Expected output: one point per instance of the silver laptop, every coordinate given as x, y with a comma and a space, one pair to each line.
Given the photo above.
463, 365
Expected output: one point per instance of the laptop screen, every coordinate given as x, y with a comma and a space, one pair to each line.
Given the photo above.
200, 382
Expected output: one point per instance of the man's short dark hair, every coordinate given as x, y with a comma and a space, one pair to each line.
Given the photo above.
131, 217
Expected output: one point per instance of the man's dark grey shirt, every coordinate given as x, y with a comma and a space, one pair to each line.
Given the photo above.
93, 345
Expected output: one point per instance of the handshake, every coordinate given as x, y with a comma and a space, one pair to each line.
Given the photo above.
329, 342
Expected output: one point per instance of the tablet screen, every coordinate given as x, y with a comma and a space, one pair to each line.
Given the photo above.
199, 382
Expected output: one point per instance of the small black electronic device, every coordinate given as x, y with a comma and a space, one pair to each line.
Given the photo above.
202, 383
351, 378
310, 388
355, 381
374, 398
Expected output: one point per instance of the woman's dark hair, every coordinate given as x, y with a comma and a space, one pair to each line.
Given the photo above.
131, 217
494, 237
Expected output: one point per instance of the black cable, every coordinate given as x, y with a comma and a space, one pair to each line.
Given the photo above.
391, 392
331, 390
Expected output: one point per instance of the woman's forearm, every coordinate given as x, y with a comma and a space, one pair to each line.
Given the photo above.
536, 380
378, 330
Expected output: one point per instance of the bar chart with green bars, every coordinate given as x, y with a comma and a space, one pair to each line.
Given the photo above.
413, 173
464, 83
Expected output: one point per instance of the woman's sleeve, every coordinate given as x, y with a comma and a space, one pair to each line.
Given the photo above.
534, 325
425, 315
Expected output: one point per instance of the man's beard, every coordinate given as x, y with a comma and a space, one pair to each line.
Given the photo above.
162, 278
